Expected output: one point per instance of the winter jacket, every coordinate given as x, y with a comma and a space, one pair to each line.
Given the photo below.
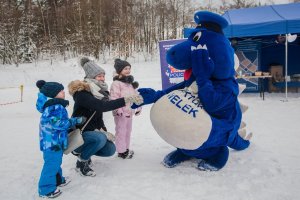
85, 104
120, 89
54, 123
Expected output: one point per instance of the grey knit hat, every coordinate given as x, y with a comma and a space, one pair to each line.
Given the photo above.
120, 65
90, 68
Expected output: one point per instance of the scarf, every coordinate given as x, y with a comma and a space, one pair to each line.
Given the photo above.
99, 89
127, 79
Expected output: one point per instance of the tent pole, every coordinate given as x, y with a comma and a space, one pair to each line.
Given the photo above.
286, 64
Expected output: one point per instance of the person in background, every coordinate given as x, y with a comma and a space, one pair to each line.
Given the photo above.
122, 86
91, 96
53, 131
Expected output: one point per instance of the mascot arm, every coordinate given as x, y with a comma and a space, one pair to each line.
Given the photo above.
150, 96
203, 67
213, 100
178, 86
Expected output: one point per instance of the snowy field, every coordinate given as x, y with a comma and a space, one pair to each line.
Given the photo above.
268, 170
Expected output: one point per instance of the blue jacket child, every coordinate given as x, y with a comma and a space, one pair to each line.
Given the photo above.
53, 132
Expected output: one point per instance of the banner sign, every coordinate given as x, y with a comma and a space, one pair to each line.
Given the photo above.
248, 53
169, 75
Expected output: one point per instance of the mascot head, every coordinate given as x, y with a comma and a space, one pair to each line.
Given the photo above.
207, 35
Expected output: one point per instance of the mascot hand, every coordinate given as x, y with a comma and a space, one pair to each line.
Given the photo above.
149, 95
202, 65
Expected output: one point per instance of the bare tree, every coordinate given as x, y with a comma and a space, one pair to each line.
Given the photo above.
100, 28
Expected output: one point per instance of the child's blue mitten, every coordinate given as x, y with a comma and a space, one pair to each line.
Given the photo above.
80, 120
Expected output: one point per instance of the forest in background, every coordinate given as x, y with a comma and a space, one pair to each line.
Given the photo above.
32, 30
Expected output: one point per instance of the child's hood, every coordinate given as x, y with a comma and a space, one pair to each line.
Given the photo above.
43, 102
40, 102
77, 85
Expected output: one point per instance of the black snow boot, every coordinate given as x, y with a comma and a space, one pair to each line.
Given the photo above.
52, 195
84, 169
128, 154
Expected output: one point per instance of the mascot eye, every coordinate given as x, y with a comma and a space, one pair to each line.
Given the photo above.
197, 37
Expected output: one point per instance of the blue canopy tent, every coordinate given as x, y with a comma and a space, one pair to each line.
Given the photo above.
265, 20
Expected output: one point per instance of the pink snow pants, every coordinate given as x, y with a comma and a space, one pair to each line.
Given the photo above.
123, 132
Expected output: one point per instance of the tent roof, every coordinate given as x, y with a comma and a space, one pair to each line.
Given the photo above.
264, 20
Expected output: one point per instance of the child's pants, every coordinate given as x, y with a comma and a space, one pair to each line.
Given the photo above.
123, 132
50, 172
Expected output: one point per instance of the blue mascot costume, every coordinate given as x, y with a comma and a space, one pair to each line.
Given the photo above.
208, 60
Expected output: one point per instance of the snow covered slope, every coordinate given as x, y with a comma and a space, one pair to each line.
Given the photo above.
269, 169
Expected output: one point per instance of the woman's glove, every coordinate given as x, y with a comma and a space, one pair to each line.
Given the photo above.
134, 99
149, 96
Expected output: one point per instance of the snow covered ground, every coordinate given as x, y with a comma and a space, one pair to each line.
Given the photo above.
269, 169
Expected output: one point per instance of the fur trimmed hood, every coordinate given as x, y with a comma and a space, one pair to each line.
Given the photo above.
78, 85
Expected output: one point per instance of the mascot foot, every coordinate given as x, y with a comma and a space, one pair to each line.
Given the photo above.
216, 161
174, 158
204, 166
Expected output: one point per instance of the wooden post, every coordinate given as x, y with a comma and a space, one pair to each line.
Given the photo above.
21, 88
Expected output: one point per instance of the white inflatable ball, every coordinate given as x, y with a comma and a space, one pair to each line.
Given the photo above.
180, 119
